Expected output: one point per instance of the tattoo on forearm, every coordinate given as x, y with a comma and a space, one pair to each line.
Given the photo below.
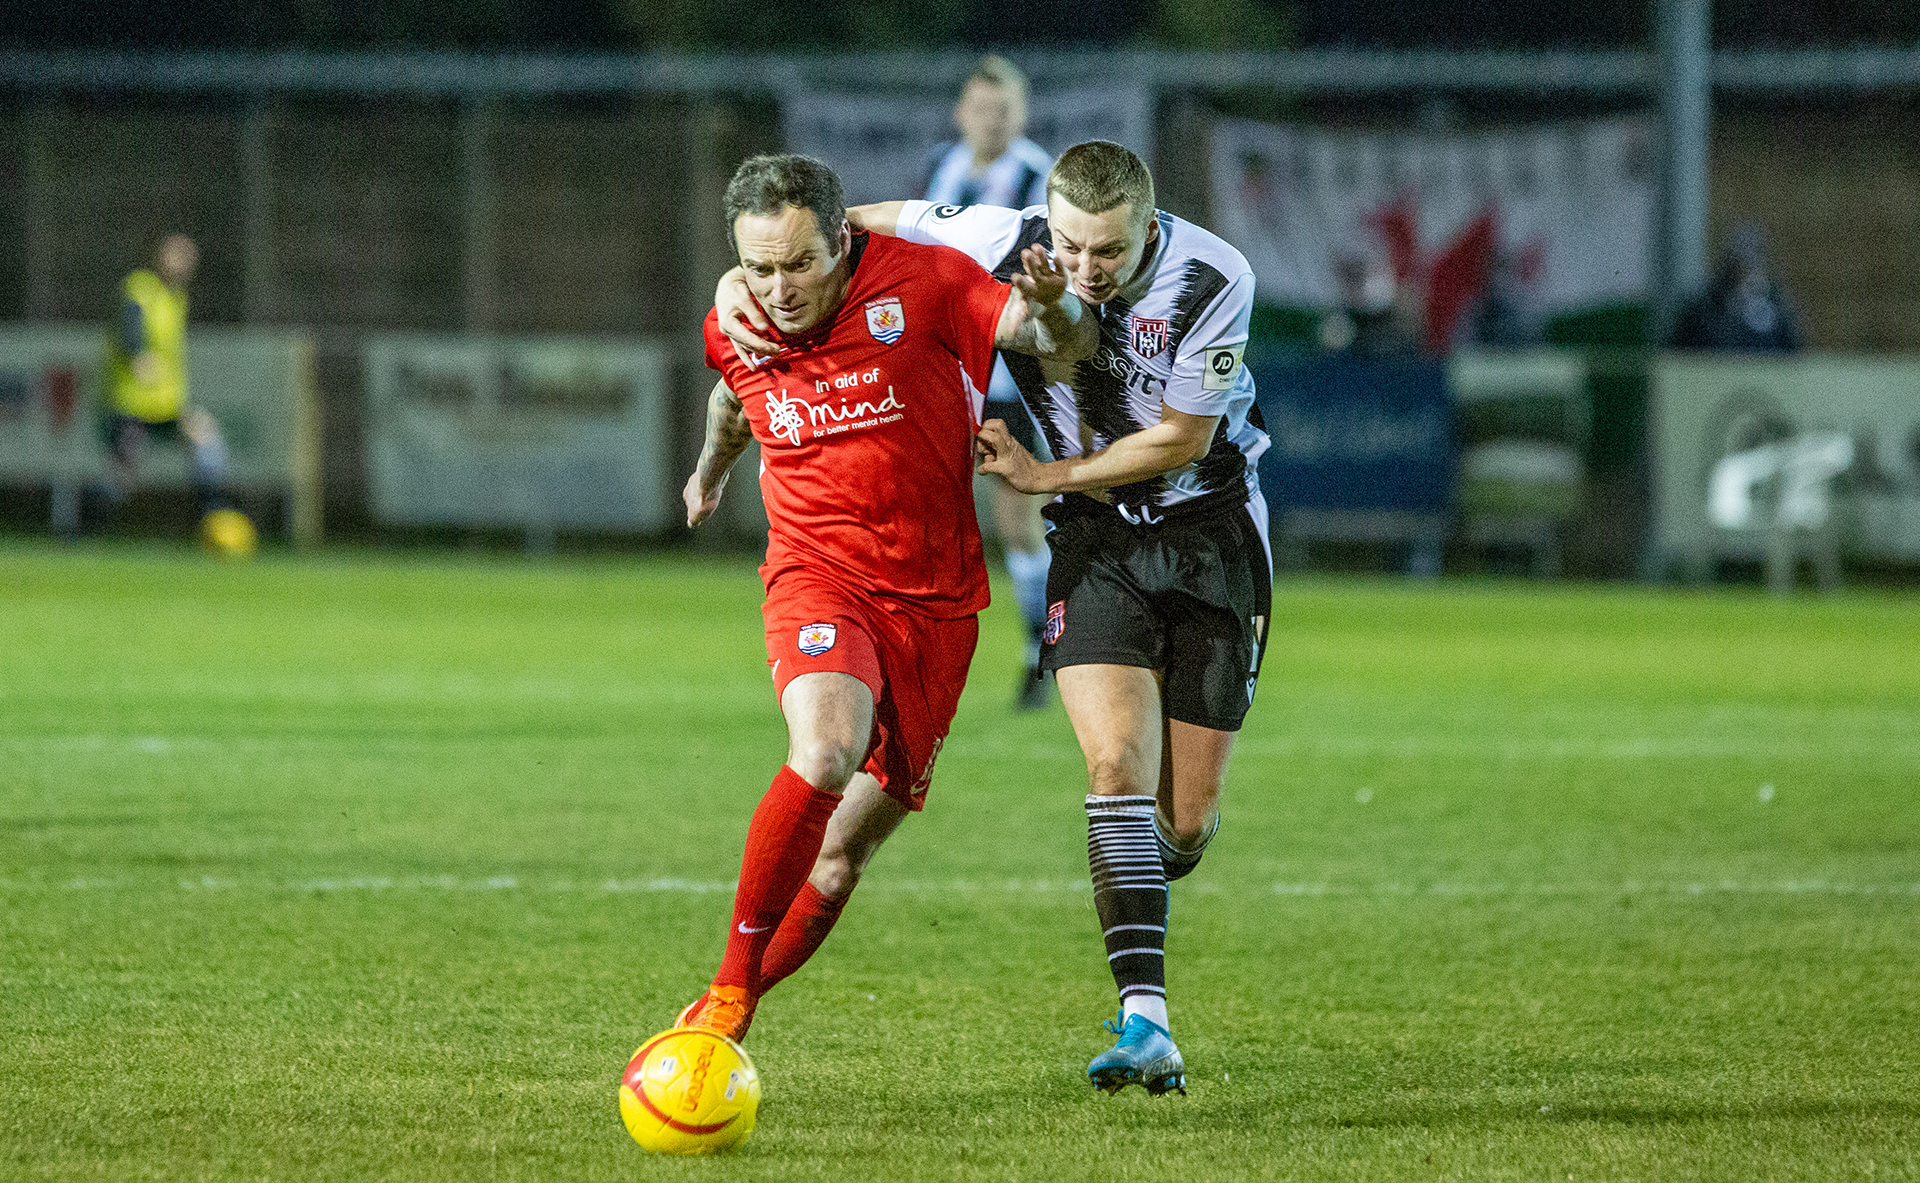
727, 433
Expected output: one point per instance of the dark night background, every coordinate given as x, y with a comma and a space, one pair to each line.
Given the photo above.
617, 25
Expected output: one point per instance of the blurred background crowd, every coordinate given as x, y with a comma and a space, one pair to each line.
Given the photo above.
1584, 290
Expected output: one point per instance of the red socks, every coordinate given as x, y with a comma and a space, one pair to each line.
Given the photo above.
807, 923
783, 841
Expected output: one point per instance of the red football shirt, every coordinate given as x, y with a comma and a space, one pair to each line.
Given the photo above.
866, 422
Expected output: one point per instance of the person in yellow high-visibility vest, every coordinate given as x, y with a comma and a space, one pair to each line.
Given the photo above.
146, 377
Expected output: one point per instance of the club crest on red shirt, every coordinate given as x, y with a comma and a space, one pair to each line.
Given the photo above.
886, 321
816, 639
1150, 335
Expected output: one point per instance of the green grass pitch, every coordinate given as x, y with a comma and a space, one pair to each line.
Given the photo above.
380, 868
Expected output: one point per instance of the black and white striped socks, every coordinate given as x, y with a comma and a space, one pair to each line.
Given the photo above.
1130, 894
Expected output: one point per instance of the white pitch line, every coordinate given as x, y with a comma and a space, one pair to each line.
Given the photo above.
1787, 887
1759, 745
1750, 747
1678, 889
1891, 743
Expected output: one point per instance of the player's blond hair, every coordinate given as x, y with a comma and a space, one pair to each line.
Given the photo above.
995, 70
1099, 175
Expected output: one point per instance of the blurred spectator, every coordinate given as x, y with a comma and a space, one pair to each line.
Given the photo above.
146, 377
1743, 308
994, 164
1371, 320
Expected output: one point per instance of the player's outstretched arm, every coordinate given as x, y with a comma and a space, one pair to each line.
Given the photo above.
1176, 441
1044, 318
882, 217
727, 437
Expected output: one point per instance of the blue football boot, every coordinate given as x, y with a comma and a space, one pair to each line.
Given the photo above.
1144, 1055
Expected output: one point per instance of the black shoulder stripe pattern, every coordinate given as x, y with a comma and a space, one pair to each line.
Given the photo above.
1200, 286
1032, 230
1100, 395
1033, 392
1224, 466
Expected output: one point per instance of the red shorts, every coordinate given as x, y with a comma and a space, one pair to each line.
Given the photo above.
914, 665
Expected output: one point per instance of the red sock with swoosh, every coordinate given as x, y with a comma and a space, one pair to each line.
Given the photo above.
783, 841
801, 931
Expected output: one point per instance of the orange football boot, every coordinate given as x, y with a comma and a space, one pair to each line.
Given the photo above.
723, 1010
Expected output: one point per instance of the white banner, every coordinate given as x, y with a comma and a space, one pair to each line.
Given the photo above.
537, 432
1568, 208
880, 144
1707, 408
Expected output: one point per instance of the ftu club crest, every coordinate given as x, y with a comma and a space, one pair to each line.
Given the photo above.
1150, 335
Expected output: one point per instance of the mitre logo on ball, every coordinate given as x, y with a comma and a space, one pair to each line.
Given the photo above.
886, 321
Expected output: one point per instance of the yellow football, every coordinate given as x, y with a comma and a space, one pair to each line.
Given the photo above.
229, 534
688, 1091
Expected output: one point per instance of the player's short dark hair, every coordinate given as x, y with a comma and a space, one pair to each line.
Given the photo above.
765, 185
1098, 175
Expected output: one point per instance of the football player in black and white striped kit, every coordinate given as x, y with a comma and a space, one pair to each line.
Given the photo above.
994, 164
1161, 584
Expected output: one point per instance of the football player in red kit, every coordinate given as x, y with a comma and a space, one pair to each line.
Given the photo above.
865, 420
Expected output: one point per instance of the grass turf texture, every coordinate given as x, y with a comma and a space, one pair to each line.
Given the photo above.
373, 868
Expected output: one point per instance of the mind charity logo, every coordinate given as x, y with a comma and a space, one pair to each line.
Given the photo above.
783, 416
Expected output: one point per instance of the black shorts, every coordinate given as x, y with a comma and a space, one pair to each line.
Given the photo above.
1189, 598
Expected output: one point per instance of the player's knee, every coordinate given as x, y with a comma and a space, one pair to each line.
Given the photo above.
825, 764
1117, 775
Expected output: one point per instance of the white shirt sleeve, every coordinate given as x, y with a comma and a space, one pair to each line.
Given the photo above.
1207, 366
984, 233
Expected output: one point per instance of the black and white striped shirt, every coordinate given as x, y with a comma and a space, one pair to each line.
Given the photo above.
1016, 180
1173, 336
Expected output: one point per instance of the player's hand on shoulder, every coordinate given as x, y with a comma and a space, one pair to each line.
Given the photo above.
740, 315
